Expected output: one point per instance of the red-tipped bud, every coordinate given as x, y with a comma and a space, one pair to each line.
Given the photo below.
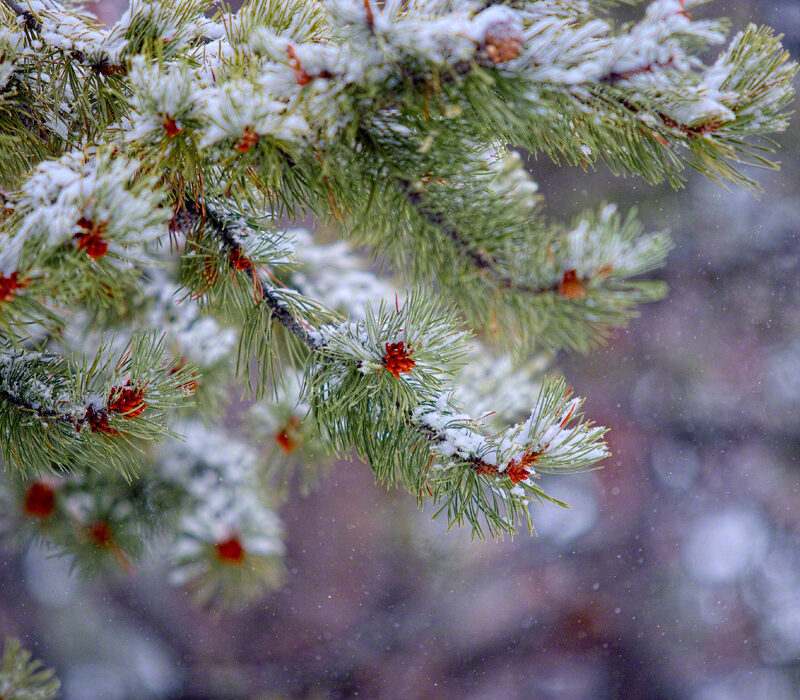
230, 551
40, 500
397, 359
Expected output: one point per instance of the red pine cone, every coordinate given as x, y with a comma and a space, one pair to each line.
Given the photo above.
247, 140
520, 469
9, 286
127, 400
571, 286
502, 42
100, 534
171, 126
97, 418
397, 359
287, 437
92, 241
238, 260
40, 500
230, 551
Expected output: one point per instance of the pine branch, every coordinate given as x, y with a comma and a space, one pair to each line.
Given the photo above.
481, 259
484, 241
58, 413
484, 262
19, 403
386, 118
368, 383
194, 214
22, 678
29, 18
389, 399
227, 269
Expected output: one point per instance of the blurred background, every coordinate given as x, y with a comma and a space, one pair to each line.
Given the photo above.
675, 574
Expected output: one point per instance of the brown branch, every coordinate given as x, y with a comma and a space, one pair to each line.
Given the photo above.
44, 414
30, 20
192, 213
517, 469
615, 77
101, 67
480, 259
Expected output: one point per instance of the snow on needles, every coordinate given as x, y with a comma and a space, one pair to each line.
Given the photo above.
66, 197
219, 473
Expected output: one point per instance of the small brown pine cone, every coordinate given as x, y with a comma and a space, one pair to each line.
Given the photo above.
502, 42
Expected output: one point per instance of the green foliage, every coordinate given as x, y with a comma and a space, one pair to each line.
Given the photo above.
22, 140
360, 399
147, 168
102, 521
302, 21
74, 235
487, 480
631, 130
64, 413
223, 271
158, 28
22, 678
472, 230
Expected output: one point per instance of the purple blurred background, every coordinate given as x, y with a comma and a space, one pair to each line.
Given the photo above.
676, 574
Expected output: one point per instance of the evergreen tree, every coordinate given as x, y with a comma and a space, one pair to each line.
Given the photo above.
149, 171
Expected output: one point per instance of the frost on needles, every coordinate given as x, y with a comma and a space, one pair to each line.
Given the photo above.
148, 170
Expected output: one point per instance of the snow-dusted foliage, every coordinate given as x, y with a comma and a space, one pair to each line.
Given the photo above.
228, 537
152, 172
